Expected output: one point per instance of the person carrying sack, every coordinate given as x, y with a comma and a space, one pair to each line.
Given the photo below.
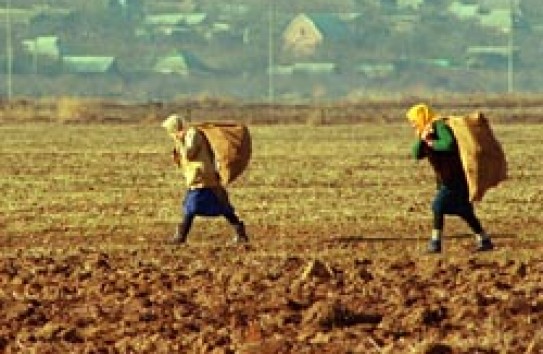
205, 195
437, 142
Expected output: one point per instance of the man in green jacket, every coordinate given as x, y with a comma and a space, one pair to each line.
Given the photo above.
437, 143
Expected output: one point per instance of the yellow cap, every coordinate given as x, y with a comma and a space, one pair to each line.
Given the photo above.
421, 115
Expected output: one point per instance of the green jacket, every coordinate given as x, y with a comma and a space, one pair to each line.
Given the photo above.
443, 155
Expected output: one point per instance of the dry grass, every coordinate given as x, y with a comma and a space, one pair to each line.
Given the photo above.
70, 109
501, 108
334, 180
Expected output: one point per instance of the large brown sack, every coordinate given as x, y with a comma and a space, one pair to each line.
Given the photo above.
231, 145
483, 158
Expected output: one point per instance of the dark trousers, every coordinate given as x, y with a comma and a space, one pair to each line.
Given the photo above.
454, 201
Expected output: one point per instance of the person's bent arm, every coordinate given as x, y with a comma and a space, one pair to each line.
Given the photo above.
418, 150
193, 142
444, 138
176, 157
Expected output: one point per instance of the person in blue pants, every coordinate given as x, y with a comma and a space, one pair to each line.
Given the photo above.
205, 195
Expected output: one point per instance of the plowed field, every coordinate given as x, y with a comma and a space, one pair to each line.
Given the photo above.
338, 218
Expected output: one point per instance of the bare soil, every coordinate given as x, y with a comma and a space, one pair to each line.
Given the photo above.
338, 216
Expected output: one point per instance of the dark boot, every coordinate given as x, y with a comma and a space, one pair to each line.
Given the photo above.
241, 234
181, 233
434, 246
484, 244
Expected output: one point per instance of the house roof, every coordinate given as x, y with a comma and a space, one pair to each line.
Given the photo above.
314, 67
498, 18
435, 62
490, 50
43, 45
499, 4
464, 11
88, 64
179, 62
167, 6
330, 25
375, 70
280, 69
492, 16
52, 11
173, 19
47, 41
233, 9
415, 4
171, 64
17, 16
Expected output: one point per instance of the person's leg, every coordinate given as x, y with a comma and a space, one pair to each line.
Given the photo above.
183, 229
439, 220
464, 209
231, 217
473, 222
239, 226
484, 243
189, 210
438, 210
434, 245
222, 203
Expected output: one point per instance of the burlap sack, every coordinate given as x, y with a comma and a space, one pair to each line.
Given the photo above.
482, 155
231, 145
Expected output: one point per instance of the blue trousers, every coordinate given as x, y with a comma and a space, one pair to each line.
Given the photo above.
205, 202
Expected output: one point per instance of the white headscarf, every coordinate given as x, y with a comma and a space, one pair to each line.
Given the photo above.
173, 123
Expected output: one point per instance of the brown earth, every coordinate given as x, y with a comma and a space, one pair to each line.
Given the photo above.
338, 218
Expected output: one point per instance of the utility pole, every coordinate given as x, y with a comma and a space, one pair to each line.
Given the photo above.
9, 51
35, 56
271, 46
510, 47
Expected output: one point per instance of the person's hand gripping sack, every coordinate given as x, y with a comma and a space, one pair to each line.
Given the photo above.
427, 135
176, 157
